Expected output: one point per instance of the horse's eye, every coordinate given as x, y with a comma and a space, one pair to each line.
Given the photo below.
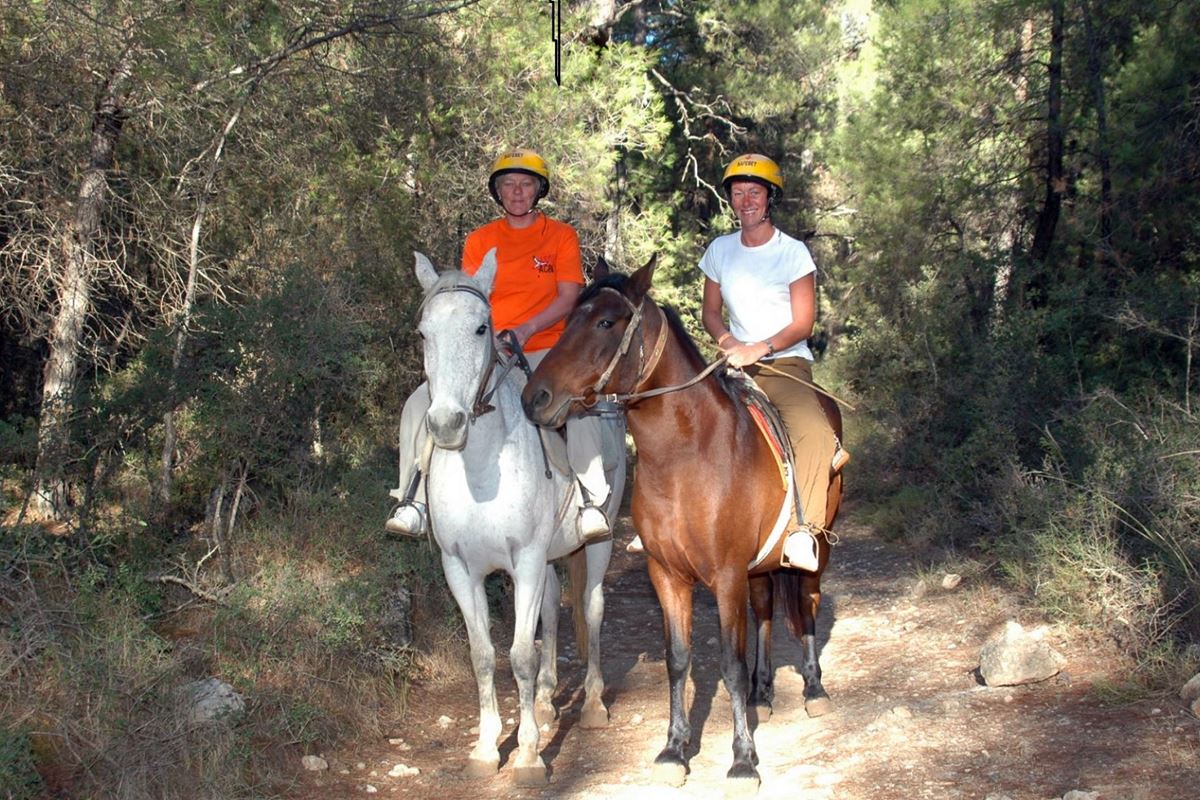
481, 330
605, 323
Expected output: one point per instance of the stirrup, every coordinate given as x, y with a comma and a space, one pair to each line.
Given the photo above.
800, 550
635, 545
593, 525
409, 519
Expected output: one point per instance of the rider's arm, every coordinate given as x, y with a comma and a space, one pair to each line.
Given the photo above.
560, 306
710, 312
802, 293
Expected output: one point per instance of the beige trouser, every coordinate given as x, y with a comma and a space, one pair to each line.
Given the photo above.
813, 441
589, 439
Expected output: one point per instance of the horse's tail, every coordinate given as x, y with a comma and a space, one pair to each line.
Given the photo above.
799, 592
577, 576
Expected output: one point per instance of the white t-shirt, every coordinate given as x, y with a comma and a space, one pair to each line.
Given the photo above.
755, 285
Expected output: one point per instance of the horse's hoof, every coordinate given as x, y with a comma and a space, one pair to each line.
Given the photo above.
532, 775
743, 781
818, 706
544, 713
593, 718
481, 767
670, 773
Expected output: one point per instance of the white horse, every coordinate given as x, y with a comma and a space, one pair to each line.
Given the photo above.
493, 507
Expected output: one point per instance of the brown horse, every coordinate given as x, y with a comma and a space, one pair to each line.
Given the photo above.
706, 494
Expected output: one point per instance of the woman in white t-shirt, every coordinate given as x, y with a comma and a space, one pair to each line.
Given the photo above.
766, 282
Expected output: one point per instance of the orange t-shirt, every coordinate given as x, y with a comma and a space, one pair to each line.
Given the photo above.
530, 263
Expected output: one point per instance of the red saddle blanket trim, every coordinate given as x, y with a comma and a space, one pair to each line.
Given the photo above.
773, 442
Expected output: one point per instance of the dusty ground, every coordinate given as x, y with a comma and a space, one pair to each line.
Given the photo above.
911, 719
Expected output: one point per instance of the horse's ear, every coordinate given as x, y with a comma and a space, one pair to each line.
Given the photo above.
641, 281
426, 274
485, 276
601, 270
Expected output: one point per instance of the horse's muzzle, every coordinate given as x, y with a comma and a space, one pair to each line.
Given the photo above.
447, 428
541, 409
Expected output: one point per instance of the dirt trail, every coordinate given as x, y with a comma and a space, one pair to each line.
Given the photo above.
911, 719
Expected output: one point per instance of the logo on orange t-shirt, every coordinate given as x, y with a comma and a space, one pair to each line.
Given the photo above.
542, 265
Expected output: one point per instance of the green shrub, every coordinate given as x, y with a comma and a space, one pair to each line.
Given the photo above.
19, 778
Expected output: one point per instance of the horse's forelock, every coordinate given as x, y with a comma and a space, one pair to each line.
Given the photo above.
614, 280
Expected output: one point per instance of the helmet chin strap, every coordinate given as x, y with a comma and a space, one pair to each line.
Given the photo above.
532, 209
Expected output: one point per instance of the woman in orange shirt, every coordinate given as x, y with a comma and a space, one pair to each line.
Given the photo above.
538, 279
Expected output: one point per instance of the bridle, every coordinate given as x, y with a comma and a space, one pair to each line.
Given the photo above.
647, 366
483, 396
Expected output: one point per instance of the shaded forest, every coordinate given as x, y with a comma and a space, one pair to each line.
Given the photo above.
207, 217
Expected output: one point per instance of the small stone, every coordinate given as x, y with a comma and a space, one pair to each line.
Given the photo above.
314, 763
510, 721
636, 719
1191, 689
403, 771
360, 765
395, 741
951, 581
902, 712
712, 641
371, 789
444, 722
1195, 707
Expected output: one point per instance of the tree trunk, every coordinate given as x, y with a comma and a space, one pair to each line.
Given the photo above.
189, 300
1047, 218
50, 491
1095, 62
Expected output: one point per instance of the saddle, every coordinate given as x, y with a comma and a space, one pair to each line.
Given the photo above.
774, 431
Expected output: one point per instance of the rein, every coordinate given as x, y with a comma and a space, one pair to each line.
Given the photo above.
647, 368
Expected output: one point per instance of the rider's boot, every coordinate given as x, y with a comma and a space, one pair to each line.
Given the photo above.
593, 524
800, 549
411, 517
592, 521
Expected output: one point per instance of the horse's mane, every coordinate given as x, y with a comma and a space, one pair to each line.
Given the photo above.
618, 281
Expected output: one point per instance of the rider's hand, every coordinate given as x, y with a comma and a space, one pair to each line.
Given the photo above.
742, 354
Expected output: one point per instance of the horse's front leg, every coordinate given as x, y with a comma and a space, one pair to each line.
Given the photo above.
595, 713
731, 589
547, 679
529, 582
469, 592
675, 597
762, 680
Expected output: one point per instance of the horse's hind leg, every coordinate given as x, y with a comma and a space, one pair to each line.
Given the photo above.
547, 679
529, 581
816, 701
731, 591
472, 600
762, 680
594, 714
675, 597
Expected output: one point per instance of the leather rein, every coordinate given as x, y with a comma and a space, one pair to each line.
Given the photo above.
647, 366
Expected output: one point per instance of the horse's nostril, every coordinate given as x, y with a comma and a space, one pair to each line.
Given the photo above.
541, 399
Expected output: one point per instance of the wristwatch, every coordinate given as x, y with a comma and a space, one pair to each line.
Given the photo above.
770, 348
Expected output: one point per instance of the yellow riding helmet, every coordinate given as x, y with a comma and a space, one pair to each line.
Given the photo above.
526, 161
758, 168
